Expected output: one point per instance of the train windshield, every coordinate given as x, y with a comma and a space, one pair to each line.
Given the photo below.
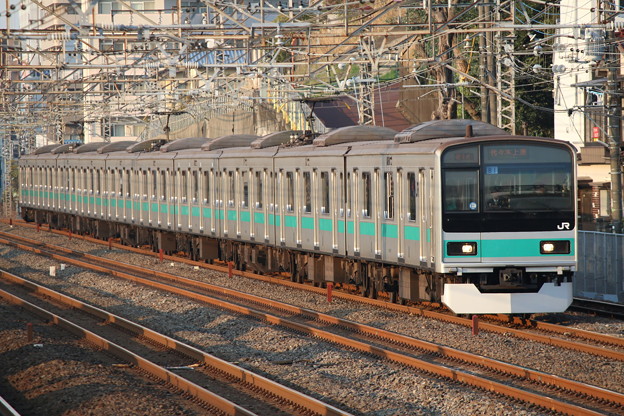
526, 178
507, 186
508, 177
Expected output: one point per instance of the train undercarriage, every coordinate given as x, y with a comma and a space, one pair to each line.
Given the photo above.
398, 283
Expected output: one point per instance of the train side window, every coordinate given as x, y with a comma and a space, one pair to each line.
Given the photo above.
207, 187
290, 192
307, 193
259, 189
245, 185
367, 200
412, 185
388, 189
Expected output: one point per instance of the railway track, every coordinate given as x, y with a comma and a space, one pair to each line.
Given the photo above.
547, 333
223, 387
529, 386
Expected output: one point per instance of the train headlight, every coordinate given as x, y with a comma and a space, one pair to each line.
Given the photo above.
460, 248
555, 247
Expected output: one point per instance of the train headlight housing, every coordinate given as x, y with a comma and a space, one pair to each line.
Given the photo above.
555, 247
461, 248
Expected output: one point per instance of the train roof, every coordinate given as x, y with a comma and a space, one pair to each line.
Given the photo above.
183, 144
439, 129
351, 134
115, 146
232, 140
275, 139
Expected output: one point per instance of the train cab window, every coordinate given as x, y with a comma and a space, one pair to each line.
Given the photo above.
388, 190
195, 186
367, 198
412, 194
259, 189
307, 193
206, 187
245, 185
290, 192
325, 193
460, 190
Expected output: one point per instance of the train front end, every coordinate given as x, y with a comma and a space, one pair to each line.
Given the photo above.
508, 213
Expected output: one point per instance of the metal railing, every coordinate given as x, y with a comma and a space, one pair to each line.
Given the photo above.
600, 273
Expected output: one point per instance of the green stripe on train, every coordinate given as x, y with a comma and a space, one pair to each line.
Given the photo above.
526, 247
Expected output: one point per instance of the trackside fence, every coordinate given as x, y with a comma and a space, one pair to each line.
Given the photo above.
600, 274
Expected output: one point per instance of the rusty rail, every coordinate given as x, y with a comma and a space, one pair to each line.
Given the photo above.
540, 400
304, 401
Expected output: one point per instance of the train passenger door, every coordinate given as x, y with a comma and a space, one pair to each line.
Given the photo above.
423, 211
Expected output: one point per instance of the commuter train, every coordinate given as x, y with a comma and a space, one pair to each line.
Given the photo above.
452, 211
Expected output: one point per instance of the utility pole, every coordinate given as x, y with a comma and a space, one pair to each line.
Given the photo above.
614, 131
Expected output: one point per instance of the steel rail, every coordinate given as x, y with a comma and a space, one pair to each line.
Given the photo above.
439, 370
155, 370
483, 326
287, 394
6, 409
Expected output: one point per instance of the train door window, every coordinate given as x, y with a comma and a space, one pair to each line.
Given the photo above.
98, 182
163, 185
206, 187
183, 185
367, 198
307, 193
340, 191
129, 183
259, 189
348, 190
290, 192
91, 181
460, 190
388, 190
154, 184
145, 185
231, 188
195, 186
412, 194
325, 193
120, 183
245, 184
